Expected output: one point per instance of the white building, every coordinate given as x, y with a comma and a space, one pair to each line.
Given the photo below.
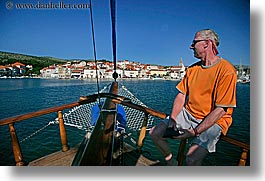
48, 72
109, 73
178, 72
131, 73
91, 73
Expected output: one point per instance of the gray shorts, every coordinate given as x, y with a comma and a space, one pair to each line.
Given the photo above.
207, 139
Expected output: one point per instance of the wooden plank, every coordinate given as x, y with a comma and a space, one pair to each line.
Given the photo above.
56, 159
141, 108
133, 157
236, 142
65, 158
143, 161
37, 113
91, 98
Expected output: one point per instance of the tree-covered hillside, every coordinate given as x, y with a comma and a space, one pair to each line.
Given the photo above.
37, 62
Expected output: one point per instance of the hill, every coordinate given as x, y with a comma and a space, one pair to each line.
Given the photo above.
37, 62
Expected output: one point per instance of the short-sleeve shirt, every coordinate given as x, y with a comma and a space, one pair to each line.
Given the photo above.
208, 87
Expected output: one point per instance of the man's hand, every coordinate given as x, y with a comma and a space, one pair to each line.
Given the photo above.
185, 133
172, 124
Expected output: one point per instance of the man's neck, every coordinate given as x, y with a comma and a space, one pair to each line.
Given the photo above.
210, 60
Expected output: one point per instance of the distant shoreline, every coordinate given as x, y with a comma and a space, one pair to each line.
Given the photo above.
91, 79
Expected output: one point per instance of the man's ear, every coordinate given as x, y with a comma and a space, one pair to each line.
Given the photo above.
206, 44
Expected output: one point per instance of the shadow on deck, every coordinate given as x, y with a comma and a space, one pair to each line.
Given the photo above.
131, 158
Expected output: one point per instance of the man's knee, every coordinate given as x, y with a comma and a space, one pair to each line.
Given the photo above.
151, 132
157, 131
154, 133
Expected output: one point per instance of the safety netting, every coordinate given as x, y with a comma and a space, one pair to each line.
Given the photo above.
80, 116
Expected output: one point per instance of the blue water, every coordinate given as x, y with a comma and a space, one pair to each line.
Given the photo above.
20, 96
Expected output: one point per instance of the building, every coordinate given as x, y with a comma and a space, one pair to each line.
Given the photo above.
177, 72
49, 72
104, 69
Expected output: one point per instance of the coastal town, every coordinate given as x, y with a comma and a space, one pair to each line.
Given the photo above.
80, 69
102, 69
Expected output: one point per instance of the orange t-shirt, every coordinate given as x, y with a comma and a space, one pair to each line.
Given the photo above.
208, 87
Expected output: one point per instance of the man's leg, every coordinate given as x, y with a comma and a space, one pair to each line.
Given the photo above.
200, 148
195, 155
156, 134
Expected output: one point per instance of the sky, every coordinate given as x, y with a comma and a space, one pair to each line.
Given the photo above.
147, 31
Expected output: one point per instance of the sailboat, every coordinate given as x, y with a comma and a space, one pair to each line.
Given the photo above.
243, 78
103, 144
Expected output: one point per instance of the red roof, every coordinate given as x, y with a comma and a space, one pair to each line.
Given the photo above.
93, 67
18, 63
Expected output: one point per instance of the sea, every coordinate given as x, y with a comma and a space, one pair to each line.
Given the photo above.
38, 138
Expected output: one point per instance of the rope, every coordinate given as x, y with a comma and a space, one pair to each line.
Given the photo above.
94, 46
38, 131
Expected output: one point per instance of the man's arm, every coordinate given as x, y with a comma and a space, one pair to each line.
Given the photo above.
178, 105
210, 120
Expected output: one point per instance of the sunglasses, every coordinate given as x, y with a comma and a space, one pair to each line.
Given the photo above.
215, 51
196, 41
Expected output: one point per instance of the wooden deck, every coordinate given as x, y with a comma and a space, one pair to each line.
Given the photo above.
56, 159
131, 158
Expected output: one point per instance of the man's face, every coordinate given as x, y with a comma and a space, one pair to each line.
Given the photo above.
197, 46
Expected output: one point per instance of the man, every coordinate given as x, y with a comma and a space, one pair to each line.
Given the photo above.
203, 108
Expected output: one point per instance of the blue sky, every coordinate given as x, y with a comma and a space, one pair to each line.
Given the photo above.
148, 31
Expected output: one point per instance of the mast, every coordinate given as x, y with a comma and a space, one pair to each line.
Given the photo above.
113, 22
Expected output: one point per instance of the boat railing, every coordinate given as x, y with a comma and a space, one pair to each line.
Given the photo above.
12, 120
89, 99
